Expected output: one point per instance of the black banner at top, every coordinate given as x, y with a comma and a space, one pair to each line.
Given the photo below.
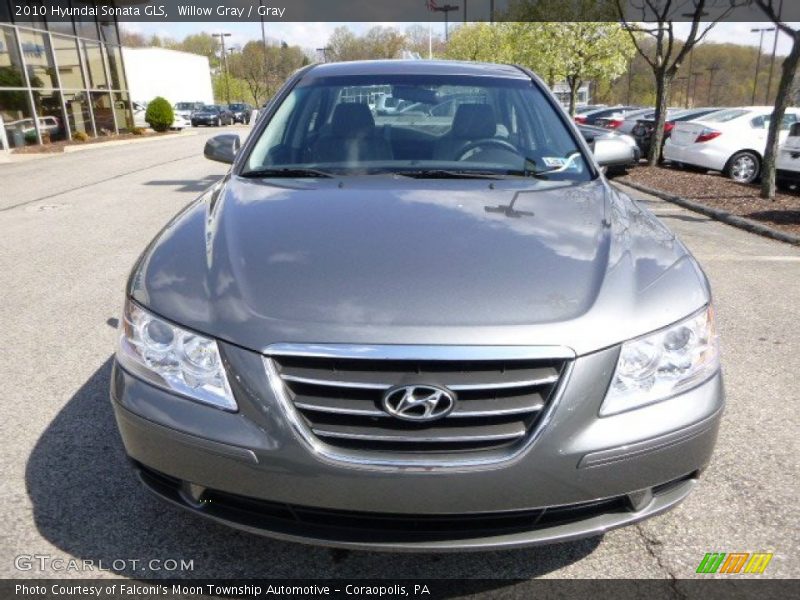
453, 11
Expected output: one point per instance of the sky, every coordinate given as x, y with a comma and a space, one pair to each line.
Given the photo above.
315, 35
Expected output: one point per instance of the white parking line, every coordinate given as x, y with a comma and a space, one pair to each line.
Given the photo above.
745, 258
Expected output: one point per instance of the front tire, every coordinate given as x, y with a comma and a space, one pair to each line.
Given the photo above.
744, 167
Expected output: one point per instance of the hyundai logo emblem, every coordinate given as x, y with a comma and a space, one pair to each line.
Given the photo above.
419, 402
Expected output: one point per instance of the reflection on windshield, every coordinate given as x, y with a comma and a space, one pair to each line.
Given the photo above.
422, 126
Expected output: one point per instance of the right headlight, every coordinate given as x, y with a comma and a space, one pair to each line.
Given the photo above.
664, 363
173, 358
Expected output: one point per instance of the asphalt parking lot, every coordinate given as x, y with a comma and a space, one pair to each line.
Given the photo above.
72, 226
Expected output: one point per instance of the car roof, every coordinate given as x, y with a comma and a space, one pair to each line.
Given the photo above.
416, 67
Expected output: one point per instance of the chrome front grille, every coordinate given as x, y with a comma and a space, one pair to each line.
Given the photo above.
499, 401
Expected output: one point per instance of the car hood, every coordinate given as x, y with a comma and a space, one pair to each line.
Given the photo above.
403, 261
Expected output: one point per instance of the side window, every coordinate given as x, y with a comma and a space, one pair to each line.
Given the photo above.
759, 122
788, 120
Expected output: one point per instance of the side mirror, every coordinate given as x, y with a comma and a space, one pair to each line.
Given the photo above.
222, 148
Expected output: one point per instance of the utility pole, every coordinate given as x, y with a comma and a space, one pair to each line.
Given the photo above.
688, 81
630, 75
222, 37
696, 74
443, 9
263, 39
712, 71
679, 88
761, 31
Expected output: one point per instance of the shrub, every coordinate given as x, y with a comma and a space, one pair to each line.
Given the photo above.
80, 136
159, 114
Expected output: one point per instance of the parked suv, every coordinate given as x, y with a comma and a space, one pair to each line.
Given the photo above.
241, 112
374, 333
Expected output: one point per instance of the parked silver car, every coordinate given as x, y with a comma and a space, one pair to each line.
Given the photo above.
371, 334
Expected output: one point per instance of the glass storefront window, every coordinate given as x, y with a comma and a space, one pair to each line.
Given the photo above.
61, 27
5, 12
108, 31
114, 55
103, 113
47, 105
96, 67
88, 28
11, 74
80, 119
38, 58
36, 17
15, 110
122, 108
69, 64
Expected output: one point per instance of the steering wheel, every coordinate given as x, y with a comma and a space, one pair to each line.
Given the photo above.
470, 146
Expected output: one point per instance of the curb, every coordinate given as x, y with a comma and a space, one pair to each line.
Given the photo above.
98, 145
720, 215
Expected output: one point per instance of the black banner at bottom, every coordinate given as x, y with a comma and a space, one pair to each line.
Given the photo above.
388, 589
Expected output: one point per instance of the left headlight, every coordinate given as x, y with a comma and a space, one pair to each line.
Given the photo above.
664, 363
173, 358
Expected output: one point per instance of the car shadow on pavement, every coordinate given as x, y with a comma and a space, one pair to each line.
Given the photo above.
188, 185
88, 503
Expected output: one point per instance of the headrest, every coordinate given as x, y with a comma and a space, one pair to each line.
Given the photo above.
474, 121
352, 119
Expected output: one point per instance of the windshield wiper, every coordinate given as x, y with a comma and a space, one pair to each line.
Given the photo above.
287, 172
449, 174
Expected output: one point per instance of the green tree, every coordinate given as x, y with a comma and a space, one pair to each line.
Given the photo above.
485, 42
656, 42
588, 51
203, 44
784, 93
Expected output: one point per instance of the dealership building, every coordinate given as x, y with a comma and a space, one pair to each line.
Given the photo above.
59, 79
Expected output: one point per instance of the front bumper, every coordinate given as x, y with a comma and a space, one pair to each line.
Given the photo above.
590, 474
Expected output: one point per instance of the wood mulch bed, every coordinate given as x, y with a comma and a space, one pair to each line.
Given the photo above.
54, 147
716, 191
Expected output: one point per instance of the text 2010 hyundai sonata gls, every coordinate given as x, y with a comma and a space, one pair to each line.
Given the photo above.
433, 329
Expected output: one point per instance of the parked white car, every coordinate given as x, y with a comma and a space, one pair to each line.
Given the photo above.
787, 163
180, 122
732, 140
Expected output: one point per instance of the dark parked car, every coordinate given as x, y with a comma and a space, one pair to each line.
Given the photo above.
591, 117
370, 334
212, 114
241, 112
643, 131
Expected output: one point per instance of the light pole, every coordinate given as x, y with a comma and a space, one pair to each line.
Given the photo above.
774, 50
222, 37
761, 31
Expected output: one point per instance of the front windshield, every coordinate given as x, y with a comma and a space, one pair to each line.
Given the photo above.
211, 108
417, 124
184, 106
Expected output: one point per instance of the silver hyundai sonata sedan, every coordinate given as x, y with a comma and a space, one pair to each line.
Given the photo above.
431, 328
